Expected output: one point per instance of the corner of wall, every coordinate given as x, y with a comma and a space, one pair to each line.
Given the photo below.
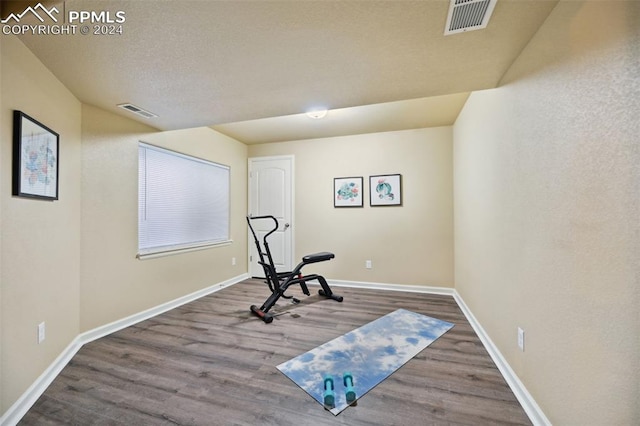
40, 246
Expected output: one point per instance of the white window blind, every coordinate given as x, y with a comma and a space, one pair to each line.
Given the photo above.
183, 201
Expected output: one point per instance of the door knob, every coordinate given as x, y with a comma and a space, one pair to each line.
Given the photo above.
286, 225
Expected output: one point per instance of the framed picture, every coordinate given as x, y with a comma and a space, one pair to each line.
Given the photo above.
35, 158
347, 192
385, 190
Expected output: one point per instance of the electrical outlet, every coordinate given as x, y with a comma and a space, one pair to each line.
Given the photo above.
521, 339
233, 261
367, 264
41, 332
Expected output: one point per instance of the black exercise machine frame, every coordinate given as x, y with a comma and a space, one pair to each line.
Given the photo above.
279, 282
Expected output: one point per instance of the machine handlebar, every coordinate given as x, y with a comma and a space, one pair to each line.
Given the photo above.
275, 228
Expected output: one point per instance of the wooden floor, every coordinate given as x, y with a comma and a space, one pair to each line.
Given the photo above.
210, 362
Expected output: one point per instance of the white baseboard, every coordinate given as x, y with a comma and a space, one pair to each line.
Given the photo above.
529, 405
393, 287
102, 331
22, 405
533, 410
31, 395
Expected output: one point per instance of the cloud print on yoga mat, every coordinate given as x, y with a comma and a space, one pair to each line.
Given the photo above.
370, 353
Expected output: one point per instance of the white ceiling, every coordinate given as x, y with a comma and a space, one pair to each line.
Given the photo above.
250, 69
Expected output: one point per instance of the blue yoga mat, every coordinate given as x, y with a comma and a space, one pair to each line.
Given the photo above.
370, 354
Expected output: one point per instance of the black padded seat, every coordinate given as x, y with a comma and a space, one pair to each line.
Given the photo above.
317, 257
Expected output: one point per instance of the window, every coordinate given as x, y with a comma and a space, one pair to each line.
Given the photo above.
183, 201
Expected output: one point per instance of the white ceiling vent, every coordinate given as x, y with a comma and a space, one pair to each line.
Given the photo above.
137, 110
468, 15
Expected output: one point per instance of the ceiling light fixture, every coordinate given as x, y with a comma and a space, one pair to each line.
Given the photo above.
317, 114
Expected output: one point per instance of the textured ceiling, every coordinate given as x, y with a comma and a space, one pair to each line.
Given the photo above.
237, 65
399, 115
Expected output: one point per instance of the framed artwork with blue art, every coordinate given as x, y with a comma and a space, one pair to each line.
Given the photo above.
35, 158
385, 190
347, 192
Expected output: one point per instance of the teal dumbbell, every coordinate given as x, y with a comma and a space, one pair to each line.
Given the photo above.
348, 384
329, 392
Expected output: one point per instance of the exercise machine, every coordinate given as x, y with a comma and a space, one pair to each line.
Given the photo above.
279, 282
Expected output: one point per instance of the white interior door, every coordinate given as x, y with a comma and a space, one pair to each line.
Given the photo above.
271, 193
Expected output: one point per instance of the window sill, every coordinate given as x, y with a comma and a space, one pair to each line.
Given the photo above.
153, 254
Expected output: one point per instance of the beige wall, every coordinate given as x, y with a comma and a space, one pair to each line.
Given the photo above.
411, 244
71, 262
2, 135
115, 284
546, 215
547, 207
40, 252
